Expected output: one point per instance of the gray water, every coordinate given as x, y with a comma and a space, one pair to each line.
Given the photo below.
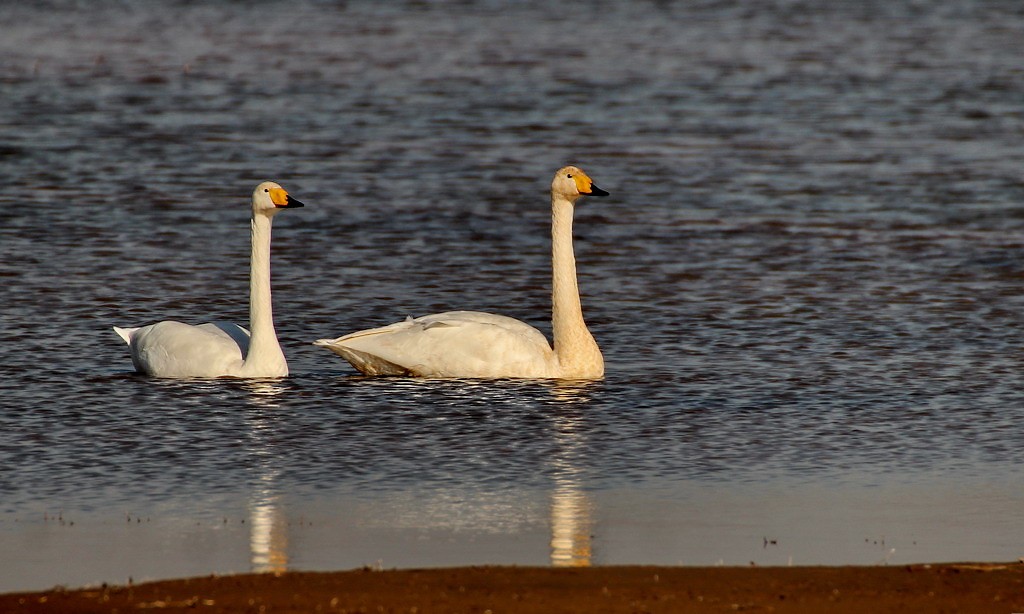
807, 283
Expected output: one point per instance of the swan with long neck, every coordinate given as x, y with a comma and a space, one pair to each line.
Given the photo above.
222, 349
482, 345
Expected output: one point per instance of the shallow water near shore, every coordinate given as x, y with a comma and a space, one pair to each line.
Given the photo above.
806, 282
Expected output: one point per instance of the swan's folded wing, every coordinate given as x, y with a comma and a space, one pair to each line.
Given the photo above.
452, 344
175, 349
233, 331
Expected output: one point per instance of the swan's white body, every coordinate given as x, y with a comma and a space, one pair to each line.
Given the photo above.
483, 345
222, 349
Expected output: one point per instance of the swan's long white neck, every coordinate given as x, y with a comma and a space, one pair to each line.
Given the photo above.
575, 348
265, 356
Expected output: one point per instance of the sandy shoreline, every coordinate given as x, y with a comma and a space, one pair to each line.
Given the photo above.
951, 587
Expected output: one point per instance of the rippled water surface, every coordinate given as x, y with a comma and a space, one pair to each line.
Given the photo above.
806, 283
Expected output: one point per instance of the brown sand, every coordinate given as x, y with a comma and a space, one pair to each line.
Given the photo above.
965, 587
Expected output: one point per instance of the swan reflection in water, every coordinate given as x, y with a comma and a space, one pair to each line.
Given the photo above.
564, 404
268, 526
571, 509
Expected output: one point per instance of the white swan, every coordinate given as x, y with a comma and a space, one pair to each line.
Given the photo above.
483, 345
222, 349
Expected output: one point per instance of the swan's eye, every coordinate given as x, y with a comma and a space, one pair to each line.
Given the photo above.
267, 190
569, 175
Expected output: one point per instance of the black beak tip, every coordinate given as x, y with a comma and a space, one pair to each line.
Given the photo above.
292, 203
596, 191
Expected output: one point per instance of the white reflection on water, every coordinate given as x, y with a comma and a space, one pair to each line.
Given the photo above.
268, 525
268, 531
571, 508
571, 523
264, 393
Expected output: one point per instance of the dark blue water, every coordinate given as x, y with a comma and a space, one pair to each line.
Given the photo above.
807, 283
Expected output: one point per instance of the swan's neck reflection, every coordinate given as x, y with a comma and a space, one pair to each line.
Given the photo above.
263, 393
268, 533
268, 526
571, 508
571, 525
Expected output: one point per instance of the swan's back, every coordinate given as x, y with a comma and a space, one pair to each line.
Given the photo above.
176, 349
451, 344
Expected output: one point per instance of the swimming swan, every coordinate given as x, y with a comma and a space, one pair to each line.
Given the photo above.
219, 349
483, 345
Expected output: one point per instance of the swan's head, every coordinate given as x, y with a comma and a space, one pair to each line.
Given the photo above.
571, 182
268, 198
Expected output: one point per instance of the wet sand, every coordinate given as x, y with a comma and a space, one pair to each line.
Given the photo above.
960, 587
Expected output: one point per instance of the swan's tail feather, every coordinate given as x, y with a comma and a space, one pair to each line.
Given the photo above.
126, 333
365, 363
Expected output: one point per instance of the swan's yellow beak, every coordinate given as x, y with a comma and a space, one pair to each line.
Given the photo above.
281, 199
585, 185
